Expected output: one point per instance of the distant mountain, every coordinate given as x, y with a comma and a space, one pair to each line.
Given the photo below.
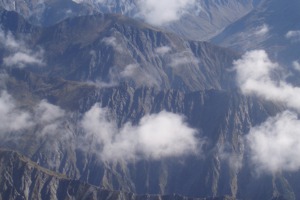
109, 49
201, 21
46, 12
266, 27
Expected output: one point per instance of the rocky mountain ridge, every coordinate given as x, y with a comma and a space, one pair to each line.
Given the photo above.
128, 73
203, 19
24, 179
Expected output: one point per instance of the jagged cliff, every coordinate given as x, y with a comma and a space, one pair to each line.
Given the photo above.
24, 179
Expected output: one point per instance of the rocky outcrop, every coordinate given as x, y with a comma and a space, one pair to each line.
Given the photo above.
21, 178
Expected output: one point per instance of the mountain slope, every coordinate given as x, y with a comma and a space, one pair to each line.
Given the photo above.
24, 179
201, 20
46, 12
222, 117
109, 49
99, 70
266, 27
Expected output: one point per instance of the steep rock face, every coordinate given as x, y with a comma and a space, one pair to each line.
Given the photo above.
23, 179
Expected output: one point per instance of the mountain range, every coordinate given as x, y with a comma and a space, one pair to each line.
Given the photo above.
98, 101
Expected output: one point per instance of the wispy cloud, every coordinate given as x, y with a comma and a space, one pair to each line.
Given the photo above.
12, 118
156, 136
262, 30
112, 41
139, 75
234, 159
21, 59
274, 144
183, 58
49, 117
296, 65
45, 115
162, 50
17, 52
293, 35
159, 12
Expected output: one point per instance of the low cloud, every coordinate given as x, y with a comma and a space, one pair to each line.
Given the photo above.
159, 12
183, 58
296, 65
156, 136
46, 116
162, 50
49, 117
234, 159
21, 59
12, 118
112, 41
18, 54
293, 35
274, 144
139, 75
254, 77
262, 30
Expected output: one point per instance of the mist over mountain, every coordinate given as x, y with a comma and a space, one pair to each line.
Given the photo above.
97, 104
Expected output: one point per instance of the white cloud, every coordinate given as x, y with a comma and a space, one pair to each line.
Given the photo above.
162, 50
156, 136
18, 54
50, 118
262, 30
112, 41
293, 35
183, 58
11, 117
139, 75
275, 144
102, 84
296, 65
46, 112
254, 71
160, 12
21, 59
130, 70
45, 115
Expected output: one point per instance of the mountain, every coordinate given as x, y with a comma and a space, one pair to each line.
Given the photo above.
266, 27
110, 49
217, 114
46, 12
201, 19
24, 179
112, 103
